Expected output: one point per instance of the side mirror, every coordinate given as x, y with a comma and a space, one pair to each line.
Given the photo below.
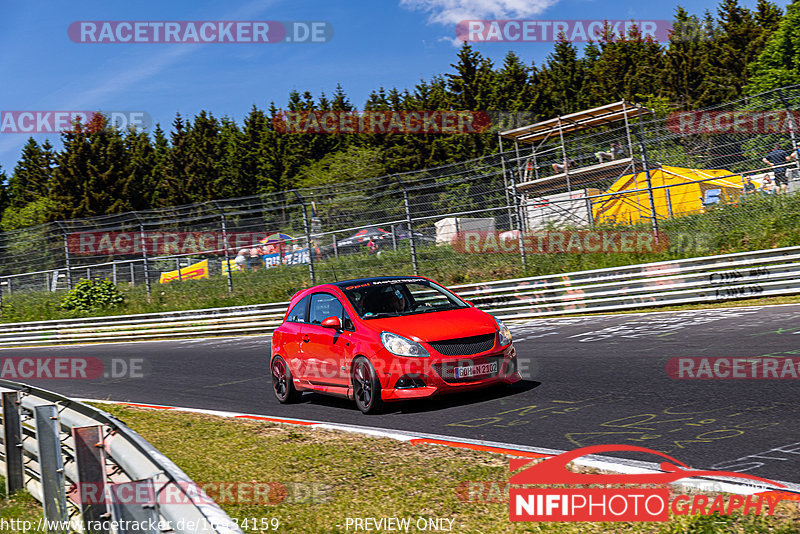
332, 322
470, 303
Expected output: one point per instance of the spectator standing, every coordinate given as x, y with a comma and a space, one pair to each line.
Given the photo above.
778, 156
749, 186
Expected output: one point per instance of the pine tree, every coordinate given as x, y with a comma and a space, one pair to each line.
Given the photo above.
628, 66
173, 188
31, 174
686, 60
778, 64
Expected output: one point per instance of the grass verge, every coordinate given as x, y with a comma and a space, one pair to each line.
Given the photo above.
16, 509
348, 475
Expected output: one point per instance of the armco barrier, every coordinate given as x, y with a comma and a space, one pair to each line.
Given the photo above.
720, 278
90, 471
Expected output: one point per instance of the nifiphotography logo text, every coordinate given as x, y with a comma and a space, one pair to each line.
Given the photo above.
645, 503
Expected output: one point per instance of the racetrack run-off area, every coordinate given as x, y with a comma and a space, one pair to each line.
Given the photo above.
588, 381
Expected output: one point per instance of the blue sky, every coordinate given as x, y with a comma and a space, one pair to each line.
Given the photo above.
389, 43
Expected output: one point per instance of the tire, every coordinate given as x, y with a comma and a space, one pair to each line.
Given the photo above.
366, 387
282, 384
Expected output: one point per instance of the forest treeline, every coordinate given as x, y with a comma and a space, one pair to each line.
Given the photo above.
710, 59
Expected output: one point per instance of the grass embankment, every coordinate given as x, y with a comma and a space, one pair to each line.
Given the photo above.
343, 475
16, 509
759, 223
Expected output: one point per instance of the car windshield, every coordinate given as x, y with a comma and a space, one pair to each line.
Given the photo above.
392, 298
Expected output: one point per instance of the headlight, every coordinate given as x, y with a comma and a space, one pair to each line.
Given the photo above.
503, 333
401, 346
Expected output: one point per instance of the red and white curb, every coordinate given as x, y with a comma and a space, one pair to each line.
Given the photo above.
616, 465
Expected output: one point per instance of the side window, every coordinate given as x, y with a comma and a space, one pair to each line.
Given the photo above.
324, 305
298, 313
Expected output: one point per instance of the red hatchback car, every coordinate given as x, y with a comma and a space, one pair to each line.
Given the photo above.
387, 339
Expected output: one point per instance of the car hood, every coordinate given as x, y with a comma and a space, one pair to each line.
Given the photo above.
437, 326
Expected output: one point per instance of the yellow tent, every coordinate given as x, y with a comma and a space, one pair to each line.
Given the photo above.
627, 208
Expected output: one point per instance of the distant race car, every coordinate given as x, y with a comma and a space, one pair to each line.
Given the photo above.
387, 339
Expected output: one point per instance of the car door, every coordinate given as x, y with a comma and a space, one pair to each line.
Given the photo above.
291, 338
326, 351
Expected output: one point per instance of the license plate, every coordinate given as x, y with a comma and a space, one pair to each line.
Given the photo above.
476, 370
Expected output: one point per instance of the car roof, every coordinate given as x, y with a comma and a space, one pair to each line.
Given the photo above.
358, 281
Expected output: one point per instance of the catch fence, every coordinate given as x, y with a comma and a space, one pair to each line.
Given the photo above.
681, 176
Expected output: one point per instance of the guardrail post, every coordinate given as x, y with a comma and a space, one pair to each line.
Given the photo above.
114, 272
307, 230
12, 435
144, 255
410, 226
66, 254
133, 274
91, 462
51, 465
225, 243
142, 511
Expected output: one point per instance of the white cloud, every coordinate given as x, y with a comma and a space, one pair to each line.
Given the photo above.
454, 11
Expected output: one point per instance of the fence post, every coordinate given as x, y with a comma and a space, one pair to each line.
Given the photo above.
643, 148
143, 239
133, 274
178, 266
790, 116
66, 254
410, 226
225, 245
520, 221
335, 247
307, 231
114, 272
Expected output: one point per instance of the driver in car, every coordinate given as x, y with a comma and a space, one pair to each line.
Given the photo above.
397, 302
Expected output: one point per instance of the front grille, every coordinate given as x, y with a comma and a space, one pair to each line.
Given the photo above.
464, 346
447, 370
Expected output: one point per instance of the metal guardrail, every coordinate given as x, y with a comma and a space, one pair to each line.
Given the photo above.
720, 278
240, 320
95, 475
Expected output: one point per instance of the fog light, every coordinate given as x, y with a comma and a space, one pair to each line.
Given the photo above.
409, 382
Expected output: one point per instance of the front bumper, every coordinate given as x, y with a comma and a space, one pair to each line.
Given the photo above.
433, 376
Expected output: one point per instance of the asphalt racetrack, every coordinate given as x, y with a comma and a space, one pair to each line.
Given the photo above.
589, 380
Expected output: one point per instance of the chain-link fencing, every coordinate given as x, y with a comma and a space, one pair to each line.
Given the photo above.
684, 183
